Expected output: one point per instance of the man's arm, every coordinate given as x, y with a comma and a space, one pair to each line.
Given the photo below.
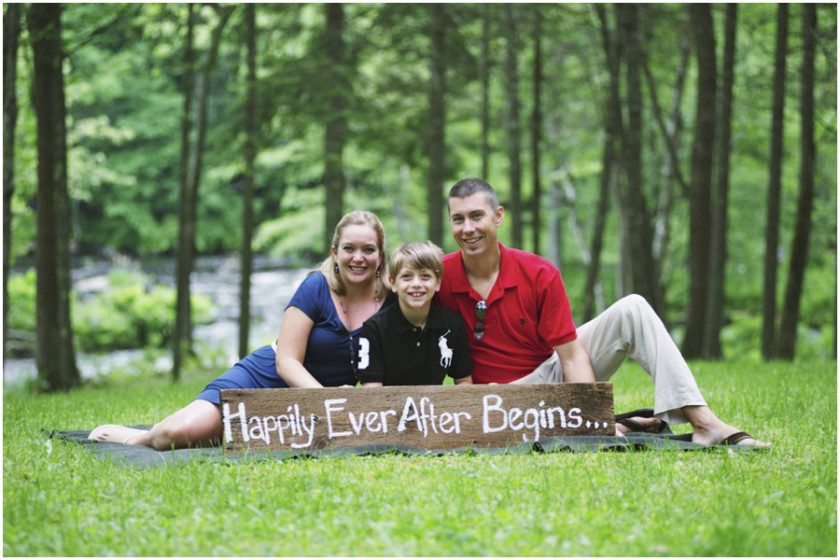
575, 363
576, 366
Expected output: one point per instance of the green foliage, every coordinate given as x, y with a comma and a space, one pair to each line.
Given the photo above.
21, 301
124, 80
61, 501
129, 314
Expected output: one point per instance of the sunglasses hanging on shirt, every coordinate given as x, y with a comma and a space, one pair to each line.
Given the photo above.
480, 312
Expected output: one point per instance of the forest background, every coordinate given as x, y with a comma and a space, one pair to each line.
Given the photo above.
661, 149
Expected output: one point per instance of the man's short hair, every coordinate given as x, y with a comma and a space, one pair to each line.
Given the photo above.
470, 186
417, 256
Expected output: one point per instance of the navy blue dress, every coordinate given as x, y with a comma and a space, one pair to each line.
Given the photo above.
329, 350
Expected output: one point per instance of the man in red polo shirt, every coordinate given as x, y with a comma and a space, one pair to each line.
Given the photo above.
520, 323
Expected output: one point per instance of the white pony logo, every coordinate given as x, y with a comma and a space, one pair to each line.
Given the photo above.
445, 351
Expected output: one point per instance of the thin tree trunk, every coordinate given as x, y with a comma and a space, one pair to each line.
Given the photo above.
673, 129
187, 241
702, 28
717, 268
555, 191
799, 248
337, 84
513, 127
485, 92
54, 353
182, 333
576, 225
536, 133
612, 127
555, 229
437, 120
670, 145
11, 36
249, 153
771, 236
640, 230
623, 276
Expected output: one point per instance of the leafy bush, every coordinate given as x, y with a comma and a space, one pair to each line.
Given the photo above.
129, 314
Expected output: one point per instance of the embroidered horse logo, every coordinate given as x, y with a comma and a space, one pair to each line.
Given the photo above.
445, 351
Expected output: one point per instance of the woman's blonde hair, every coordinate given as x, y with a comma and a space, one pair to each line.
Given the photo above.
329, 267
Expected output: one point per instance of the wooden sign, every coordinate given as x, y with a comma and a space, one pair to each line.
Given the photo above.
430, 417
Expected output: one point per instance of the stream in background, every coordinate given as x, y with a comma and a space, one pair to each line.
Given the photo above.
272, 286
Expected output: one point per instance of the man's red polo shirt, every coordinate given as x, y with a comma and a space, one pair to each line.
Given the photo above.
528, 314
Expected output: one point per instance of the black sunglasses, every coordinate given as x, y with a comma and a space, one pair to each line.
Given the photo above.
480, 312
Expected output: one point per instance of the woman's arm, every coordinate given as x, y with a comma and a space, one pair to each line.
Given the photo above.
291, 348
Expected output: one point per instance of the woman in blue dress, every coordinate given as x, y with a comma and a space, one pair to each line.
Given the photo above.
313, 348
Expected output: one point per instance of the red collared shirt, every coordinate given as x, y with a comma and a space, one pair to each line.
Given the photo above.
528, 314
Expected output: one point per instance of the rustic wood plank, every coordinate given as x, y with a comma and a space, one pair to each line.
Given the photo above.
429, 417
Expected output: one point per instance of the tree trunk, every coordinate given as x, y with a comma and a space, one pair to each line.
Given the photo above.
717, 266
623, 276
249, 153
182, 333
569, 200
670, 145
513, 127
771, 236
637, 215
702, 29
799, 248
11, 36
670, 169
337, 84
54, 354
485, 92
612, 133
437, 120
536, 133
187, 240
554, 134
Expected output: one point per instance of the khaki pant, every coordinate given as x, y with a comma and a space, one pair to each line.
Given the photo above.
630, 328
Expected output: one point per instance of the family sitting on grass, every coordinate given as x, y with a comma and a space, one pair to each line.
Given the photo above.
501, 316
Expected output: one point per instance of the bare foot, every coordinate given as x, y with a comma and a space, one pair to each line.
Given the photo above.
650, 425
714, 435
117, 434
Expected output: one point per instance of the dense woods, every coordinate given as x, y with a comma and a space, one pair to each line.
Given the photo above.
683, 152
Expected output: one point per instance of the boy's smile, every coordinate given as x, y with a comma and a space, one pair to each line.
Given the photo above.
415, 288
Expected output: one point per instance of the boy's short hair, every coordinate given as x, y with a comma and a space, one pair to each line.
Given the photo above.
418, 255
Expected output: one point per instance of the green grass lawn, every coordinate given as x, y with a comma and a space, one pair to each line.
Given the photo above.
58, 500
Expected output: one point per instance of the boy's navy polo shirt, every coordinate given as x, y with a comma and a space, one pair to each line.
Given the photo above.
392, 351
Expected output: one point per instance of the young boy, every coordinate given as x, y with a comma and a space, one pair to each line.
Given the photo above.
416, 341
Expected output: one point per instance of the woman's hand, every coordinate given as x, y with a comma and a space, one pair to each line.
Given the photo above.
291, 349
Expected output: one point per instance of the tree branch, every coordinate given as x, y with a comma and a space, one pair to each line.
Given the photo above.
663, 128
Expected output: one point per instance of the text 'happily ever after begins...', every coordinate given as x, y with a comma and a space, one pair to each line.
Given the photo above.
300, 429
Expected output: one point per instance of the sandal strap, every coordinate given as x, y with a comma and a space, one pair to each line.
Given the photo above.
631, 425
736, 438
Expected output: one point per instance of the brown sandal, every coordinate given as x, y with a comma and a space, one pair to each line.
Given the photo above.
736, 438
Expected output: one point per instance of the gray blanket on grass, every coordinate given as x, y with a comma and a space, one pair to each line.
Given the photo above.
141, 456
